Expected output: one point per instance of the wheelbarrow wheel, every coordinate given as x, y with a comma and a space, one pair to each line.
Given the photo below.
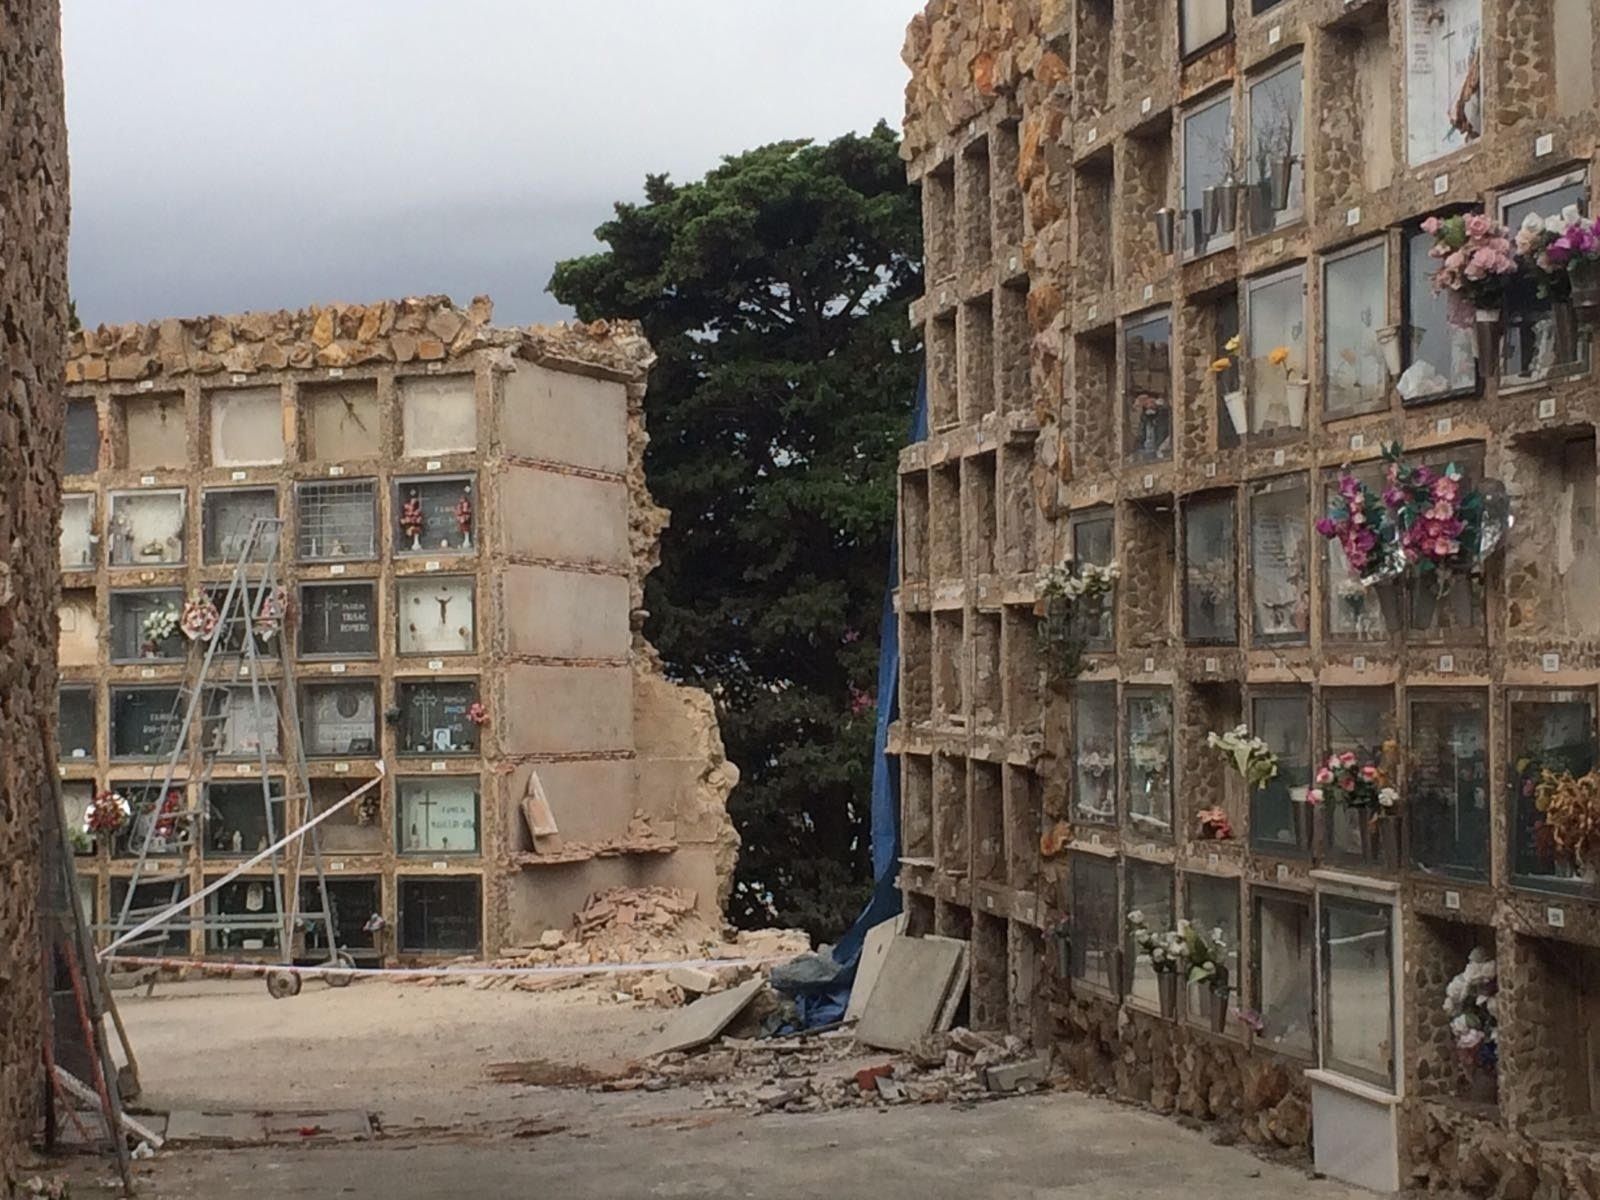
283, 984
341, 977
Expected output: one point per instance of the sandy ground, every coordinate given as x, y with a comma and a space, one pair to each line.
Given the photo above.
421, 1059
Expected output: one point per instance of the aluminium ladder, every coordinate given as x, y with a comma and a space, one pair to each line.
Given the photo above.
162, 827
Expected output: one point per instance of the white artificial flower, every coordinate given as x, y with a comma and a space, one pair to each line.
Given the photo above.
1388, 797
1216, 936
1136, 917
1534, 223
1456, 991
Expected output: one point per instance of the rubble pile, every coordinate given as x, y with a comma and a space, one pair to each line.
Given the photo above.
824, 1072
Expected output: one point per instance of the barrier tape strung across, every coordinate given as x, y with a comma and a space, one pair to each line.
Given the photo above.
411, 974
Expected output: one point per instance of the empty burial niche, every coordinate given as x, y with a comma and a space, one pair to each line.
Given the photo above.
439, 816
914, 527
1553, 565
916, 668
975, 348
919, 915
949, 700
75, 726
943, 412
986, 691
358, 827
245, 426
438, 415
916, 806
991, 970
146, 528
227, 516
979, 519
1017, 555
1024, 670
238, 723
149, 432
1149, 555
1554, 1044
436, 716
340, 719
339, 421
974, 216
950, 814
1013, 336
437, 615
78, 639
944, 522
78, 538
1005, 147
939, 219
1436, 952
1026, 978
1093, 196
1093, 388
988, 823
1024, 823
952, 921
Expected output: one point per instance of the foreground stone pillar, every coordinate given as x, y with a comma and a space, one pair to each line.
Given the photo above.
33, 327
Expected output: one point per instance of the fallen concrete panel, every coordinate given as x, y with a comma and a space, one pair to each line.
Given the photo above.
910, 994
705, 1018
873, 947
958, 987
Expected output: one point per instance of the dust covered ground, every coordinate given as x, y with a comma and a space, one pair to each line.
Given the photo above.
495, 1092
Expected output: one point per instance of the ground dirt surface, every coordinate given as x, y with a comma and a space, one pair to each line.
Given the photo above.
478, 1093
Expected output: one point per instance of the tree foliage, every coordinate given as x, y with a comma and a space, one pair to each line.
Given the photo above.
775, 291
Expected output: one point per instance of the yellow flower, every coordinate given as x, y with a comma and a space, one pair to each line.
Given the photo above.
1219, 365
1232, 344
1278, 355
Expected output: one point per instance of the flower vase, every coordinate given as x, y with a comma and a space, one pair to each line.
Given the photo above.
1389, 342
1294, 395
1488, 327
1388, 605
1584, 275
1227, 201
1237, 413
1218, 995
1281, 179
1300, 807
1563, 333
1167, 986
416, 541
1166, 223
466, 539
1149, 436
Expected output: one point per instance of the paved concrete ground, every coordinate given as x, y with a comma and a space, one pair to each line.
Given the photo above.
419, 1059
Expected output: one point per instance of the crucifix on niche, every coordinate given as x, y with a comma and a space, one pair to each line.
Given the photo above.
437, 616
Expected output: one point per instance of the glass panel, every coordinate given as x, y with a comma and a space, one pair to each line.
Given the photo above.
1149, 761
82, 437
434, 516
144, 625
1359, 721
1444, 603
439, 916
1280, 817
1280, 562
226, 517
341, 719
1354, 612
434, 717
244, 917
439, 816
1147, 367
1439, 356
1150, 893
436, 616
1549, 731
75, 723
144, 722
1447, 797
76, 798
240, 724
1443, 88
77, 532
1358, 989
146, 529
1531, 349
1210, 592
1277, 147
1203, 22
1233, 417
1094, 541
1094, 752
148, 900
1214, 909
1355, 373
152, 820
1096, 923
236, 818
339, 620
1207, 162
337, 520
1276, 345
354, 902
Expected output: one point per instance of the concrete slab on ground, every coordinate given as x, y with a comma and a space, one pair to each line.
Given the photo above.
910, 995
705, 1018
873, 948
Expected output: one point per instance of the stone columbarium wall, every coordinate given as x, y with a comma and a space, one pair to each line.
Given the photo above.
335, 418
33, 321
1088, 404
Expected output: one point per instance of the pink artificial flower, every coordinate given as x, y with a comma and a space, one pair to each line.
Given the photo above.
1347, 759
1324, 776
1431, 226
1327, 528
1314, 796
1369, 772
1478, 226
1348, 783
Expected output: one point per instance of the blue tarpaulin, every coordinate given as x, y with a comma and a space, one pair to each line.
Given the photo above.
822, 1001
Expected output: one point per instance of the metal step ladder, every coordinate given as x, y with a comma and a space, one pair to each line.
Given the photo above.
168, 822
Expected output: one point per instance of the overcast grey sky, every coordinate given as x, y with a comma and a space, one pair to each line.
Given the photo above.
231, 155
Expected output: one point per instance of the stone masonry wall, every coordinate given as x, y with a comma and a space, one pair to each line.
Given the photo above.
33, 322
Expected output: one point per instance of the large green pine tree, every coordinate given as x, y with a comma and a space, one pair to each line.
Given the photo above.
775, 291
